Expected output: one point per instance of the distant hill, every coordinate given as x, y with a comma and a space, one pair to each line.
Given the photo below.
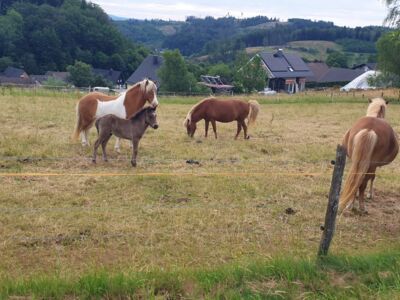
218, 37
49, 35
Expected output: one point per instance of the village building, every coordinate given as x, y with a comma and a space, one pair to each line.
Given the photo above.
109, 75
147, 69
286, 72
325, 76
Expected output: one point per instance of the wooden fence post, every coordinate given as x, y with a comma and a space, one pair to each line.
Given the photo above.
333, 202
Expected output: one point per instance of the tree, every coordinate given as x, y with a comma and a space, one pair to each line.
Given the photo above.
222, 70
174, 73
393, 17
388, 52
80, 74
251, 77
337, 59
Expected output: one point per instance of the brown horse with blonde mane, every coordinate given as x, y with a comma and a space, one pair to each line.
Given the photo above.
96, 105
214, 110
370, 143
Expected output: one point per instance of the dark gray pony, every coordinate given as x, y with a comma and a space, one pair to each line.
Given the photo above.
130, 129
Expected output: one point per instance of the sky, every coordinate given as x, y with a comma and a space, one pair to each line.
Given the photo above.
349, 13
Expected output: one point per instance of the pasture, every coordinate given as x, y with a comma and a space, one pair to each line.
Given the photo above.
191, 203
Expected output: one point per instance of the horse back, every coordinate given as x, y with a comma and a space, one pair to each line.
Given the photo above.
225, 110
387, 145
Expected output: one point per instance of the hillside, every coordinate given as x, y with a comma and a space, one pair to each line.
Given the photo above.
50, 35
218, 39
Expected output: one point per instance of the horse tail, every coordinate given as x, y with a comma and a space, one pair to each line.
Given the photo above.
363, 147
253, 113
78, 124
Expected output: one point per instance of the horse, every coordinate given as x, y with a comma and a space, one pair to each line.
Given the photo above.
95, 105
213, 110
131, 129
370, 143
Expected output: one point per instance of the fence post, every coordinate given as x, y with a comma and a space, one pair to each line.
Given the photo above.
333, 202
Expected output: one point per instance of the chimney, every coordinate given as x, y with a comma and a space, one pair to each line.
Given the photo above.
155, 59
279, 53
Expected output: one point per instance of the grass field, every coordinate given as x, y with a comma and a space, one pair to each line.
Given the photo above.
168, 215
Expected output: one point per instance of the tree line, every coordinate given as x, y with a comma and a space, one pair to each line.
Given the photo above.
49, 35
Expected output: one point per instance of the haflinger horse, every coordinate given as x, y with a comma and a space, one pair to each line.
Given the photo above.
370, 143
96, 105
214, 110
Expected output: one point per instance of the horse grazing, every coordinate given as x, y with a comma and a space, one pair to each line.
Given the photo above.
131, 129
212, 110
370, 143
95, 105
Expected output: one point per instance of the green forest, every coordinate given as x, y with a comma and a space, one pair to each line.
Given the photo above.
43, 35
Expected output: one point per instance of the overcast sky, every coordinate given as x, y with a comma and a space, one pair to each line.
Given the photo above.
343, 12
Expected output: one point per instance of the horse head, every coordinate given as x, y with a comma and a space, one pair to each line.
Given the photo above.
151, 117
377, 108
149, 89
190, 127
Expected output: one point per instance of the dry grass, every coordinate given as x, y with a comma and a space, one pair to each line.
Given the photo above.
72, 223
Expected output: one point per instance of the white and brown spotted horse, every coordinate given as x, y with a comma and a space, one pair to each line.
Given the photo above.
96, 105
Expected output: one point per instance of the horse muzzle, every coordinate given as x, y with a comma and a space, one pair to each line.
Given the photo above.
155, 126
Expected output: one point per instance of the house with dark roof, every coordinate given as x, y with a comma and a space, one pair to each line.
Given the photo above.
15, 73
15, 76
147, 69
366, 67
109, 75
326, 76
285, 71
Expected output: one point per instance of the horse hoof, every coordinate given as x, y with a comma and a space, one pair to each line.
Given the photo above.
93, 161
133, 163
247, 137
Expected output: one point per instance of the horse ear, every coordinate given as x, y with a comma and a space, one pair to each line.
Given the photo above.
147, 82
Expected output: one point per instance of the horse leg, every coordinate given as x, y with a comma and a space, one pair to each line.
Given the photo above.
371, 195
135, 143
85, 138
96, 146
362, 188
246, 137
239, 128
117, 146
207, 122
104, 145
214, 126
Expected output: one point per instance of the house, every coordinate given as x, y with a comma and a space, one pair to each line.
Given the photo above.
215, 84
63, 76
110, 75
14, 76
147, 69
12, 72
327, 76
366, 67
285, 71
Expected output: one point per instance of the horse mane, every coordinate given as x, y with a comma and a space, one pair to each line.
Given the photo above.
188, 118
140, 112
377, 108
146, 86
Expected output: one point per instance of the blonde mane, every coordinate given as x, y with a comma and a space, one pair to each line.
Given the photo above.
188, 118
377, 108
151, 86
